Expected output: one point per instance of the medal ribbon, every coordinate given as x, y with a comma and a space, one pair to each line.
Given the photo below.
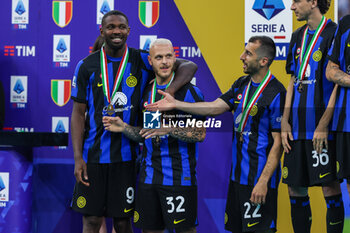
247, 107
304, 58
154, 89
118, 77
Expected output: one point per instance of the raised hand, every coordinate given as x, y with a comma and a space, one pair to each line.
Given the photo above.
165, 104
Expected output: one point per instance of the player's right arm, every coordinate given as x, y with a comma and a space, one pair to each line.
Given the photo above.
77, 132
286, 130
336, 75
213, 108
117, 125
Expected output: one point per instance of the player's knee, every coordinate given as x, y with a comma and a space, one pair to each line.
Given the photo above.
188, 230
92, 222
296, 191
266, 231
331, 189
122, 224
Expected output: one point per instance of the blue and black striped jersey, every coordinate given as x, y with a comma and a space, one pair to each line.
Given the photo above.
172, 161
309, 105
340, 54
101, 146
250, 156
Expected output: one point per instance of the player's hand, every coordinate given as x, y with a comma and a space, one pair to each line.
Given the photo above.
165, 104
113, 124
319, 140
148, 133
286, 133
259, 193
80, 172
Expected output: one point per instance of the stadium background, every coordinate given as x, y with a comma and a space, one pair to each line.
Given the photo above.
38, 55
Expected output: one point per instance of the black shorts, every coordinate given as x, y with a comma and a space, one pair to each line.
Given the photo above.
343, 155
242, 216
304, 167
159, 207
111, 191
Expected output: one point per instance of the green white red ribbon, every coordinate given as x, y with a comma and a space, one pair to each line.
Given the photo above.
118, 78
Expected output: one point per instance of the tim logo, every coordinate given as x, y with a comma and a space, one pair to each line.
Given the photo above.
61, 50
20, 16
19, 50
151, 120
268, 8
4, 187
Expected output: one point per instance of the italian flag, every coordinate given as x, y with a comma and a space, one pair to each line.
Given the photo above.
149, 12
62, 12
60, 91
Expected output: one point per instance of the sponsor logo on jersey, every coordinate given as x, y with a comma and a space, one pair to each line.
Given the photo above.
60, 91
19, 50
127, 210
148, 13
103, 6
20, 14
62, 12
61, 50
18, 91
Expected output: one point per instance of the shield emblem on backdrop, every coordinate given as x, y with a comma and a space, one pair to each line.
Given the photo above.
60, 91
62, 12
148, 13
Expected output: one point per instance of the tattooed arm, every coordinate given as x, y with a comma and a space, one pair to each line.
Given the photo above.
186, 134
117, 125
189, 135
336, 75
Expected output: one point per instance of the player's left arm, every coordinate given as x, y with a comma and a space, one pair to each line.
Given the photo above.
320, 137
186, 134
184, 72
259, 192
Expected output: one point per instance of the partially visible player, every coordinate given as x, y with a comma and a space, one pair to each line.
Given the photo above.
338, 71
310, 159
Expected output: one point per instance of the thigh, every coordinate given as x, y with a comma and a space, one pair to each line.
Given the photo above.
343, 155
179, 206
233, 221
321, 167
249, 217
121, 190
148, 212
90, 200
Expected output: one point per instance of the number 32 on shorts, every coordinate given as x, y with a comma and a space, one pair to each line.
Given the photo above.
180, 200
322, 158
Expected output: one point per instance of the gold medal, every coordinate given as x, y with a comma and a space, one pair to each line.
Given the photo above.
300, 88
241, 138
110, 109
